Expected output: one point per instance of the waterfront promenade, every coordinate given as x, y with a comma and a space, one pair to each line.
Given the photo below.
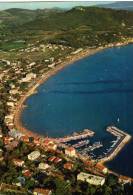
58, 66
20, 105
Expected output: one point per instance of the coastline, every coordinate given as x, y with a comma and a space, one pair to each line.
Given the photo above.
17, 115
68, 61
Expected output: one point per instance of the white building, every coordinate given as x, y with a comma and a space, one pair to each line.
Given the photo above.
77, 51
51, 65
70, 151
11, 104
28, 77
91, 179
18, 162
34, 155
43, 166
13, 91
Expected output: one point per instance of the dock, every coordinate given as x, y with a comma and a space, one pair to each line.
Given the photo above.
76, 136
123, 139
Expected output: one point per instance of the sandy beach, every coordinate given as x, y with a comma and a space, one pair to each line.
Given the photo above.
17, 116
71, 59
68, 61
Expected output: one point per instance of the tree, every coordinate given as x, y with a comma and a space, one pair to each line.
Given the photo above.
29, 183
62, 187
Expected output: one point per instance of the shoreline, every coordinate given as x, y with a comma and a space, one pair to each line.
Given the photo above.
18, 111
68, 61
45, 76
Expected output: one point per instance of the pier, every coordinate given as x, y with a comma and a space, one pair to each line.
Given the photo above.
76, 136
122, 137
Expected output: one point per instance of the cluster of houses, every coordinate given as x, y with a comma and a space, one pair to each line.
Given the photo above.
17, 74
43, 47
22, 73
65, 157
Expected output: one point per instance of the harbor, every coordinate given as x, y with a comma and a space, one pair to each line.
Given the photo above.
122, 139
84, 145
76, 136
85, 92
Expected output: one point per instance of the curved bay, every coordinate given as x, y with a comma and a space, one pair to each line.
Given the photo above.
90, 93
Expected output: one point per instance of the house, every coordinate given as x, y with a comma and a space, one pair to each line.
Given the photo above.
36, 141
13, 91
124, 180
18, 162
43, 166
11, 104
25, 138
9, 117
7, 140
10, 126
70, 151
51, 65
52, 158
32, 64
57, 160
34, 155
91, 179
102, 168
42, 191
26, 173
52, 146
1, 135
1, 152
14, 143
14, 133
28, 77
77, 51
47, 142
68, 166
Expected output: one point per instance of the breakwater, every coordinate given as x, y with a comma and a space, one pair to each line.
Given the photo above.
123, 139
76, 136
101, 81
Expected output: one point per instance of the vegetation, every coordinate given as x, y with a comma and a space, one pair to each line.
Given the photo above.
30, 41
80, 26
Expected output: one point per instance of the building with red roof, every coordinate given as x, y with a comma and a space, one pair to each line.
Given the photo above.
42, 191
68, 166
70, 151
18, 162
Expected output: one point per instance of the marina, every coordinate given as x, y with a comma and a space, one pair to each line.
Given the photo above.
76, 136
81, 144
80, 96
85, 147
122, 139
87, 150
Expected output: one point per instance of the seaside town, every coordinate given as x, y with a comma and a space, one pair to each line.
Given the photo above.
41, 165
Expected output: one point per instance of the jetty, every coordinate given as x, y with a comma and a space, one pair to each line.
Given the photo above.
76, 136
122, 139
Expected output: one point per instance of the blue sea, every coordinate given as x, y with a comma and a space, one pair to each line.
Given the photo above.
92, 93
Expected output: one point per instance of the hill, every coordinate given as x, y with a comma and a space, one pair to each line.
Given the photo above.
122, 5
78, 27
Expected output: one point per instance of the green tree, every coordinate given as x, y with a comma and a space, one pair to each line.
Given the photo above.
62, 187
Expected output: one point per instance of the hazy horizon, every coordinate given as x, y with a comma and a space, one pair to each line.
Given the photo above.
48, 5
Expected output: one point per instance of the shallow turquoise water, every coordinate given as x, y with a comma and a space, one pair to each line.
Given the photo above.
91, 93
